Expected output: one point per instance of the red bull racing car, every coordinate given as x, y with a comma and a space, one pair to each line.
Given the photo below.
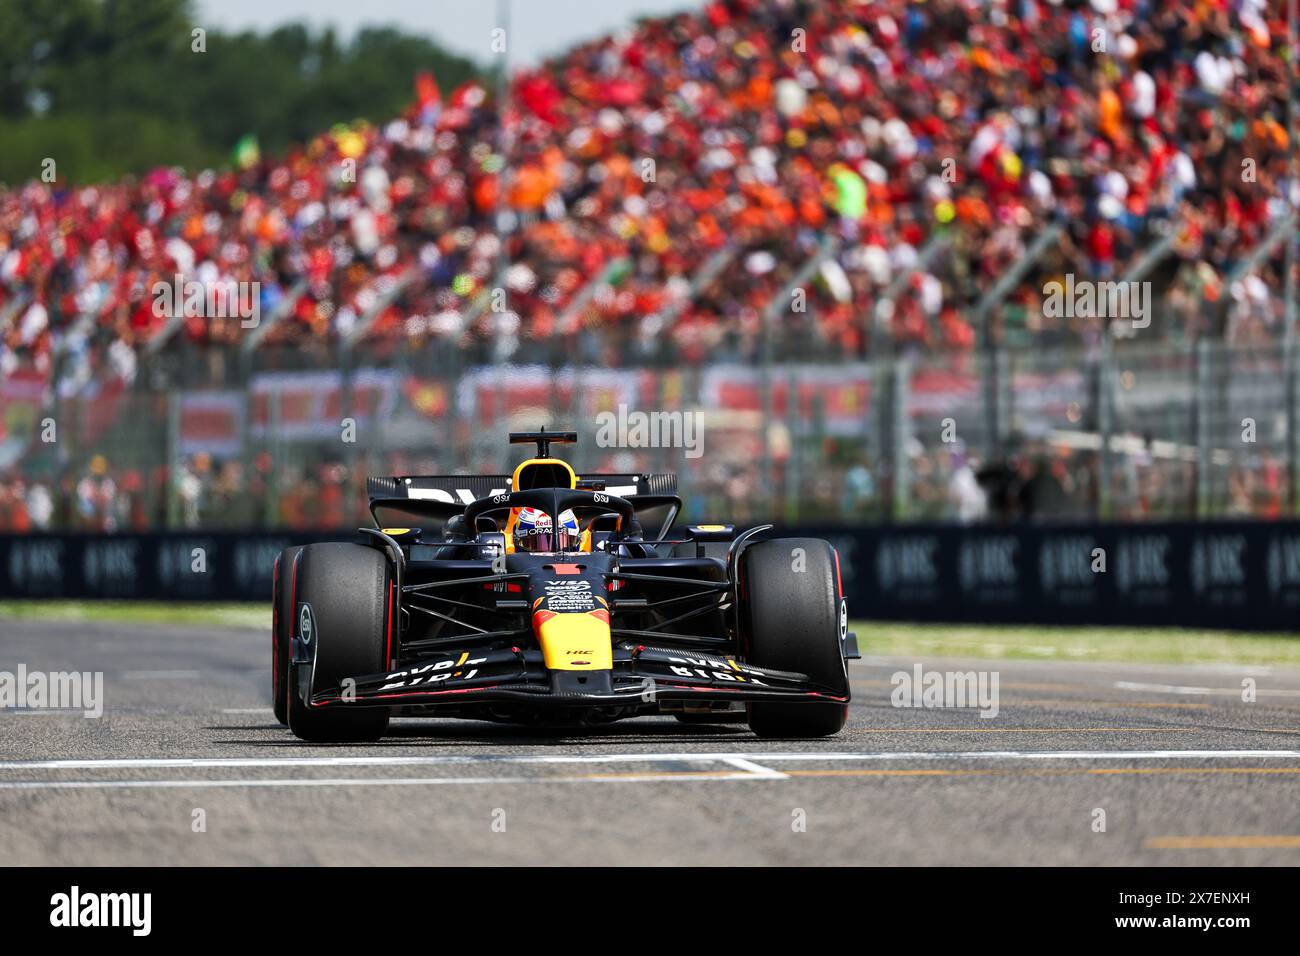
545, 597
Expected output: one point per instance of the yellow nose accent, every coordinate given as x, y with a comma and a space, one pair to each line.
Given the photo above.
576, 642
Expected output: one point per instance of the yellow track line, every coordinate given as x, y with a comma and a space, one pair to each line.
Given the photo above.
1109, 770
1288, 842
1120, 704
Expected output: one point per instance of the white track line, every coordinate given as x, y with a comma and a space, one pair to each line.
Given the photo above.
1176, 689
136, 763
368, 781
752, 762
746, 767
754, 769
1044, 755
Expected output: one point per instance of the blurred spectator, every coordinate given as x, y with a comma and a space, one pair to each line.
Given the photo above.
967, 501
694, 134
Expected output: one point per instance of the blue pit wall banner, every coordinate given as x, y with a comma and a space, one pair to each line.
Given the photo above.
1238, 575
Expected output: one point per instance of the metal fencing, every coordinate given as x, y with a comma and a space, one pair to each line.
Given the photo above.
282, 437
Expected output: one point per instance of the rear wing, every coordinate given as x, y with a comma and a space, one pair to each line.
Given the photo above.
462, 489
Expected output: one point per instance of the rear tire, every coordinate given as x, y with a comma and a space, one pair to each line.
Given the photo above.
790, 621
346, 586
282, 630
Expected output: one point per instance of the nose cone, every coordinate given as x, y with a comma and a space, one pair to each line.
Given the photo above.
574, 641
571, 612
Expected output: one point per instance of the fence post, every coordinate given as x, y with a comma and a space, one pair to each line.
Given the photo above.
793, 468
64, 503
1292, 447
872, 458
347, 401
900, 427
1004, 396
688, 397
459, 445
1204, 430
275, 444
1289, 265
173, 459
828, 246
882, 396
1105, 425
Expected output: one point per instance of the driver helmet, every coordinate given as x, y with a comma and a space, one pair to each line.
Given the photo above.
533, 531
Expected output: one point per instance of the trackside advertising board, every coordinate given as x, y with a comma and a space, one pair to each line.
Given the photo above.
1242, 575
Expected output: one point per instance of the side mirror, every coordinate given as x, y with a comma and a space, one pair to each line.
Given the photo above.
710, 532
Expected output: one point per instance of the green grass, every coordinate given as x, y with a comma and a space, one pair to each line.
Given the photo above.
256, 615
1119, 644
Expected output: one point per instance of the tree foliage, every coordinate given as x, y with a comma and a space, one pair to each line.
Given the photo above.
107, 87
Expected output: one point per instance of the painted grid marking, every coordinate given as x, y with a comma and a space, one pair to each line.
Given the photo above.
754, 762
742, 766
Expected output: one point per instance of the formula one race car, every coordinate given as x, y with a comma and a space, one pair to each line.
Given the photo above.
543, 597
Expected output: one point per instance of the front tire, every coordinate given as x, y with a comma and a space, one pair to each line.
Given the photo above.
346, 588
282, 582
790, 620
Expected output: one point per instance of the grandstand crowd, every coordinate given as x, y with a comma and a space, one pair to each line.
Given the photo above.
752, 131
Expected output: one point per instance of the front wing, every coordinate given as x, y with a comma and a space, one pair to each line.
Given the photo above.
642, 674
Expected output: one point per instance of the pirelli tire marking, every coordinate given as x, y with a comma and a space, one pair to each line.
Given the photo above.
306, 623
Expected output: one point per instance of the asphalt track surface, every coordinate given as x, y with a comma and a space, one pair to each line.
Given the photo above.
1184, 770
